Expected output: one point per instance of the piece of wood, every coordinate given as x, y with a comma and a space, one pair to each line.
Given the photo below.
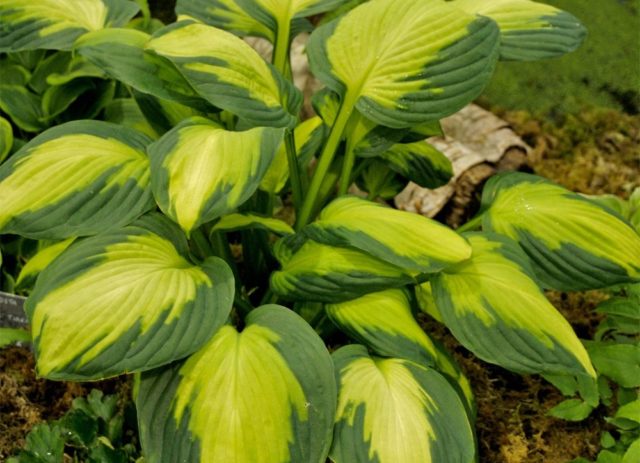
479, 144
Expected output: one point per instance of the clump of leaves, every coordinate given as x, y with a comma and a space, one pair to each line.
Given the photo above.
96, 429
232, 351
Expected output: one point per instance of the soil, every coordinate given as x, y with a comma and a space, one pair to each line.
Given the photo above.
26, 400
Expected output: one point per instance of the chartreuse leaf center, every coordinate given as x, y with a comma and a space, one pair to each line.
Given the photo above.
188, 42
493, 295
201, 171
75, 166
513, 210
383, 321
89, 14
131, 273
392, 410
75, 179
404, 239
397, 395
574, 243
240, 359
228, 73
122, 301
55, 24
266, 394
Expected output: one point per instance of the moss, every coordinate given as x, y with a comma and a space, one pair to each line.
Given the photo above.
604, 71
594, 151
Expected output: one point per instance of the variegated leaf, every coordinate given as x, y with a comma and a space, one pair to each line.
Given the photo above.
6, 138
228, 73
79, 178
122, 55
394, 410
405, 62
529, 30
233, 222
317, 272
55, 24
126, 301
404, 239
574, 243
266, 394
41, 260
492, 296
384, 323
224, 14
420, 162
200, 171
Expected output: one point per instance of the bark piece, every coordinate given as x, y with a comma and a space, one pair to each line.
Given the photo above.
473, 137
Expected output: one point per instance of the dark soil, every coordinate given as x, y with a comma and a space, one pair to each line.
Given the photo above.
26, 400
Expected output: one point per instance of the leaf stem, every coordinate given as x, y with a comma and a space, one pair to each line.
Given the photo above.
294, 169
222, 249
473, 224
326, 157
281, 50
347, 168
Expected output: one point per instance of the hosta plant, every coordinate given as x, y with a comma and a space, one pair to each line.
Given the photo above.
171, 258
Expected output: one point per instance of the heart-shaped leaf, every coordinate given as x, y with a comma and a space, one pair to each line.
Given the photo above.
383, 322
200, 171
263, 395
405, 62
55, 24
123, 301
76, 179
394, 410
